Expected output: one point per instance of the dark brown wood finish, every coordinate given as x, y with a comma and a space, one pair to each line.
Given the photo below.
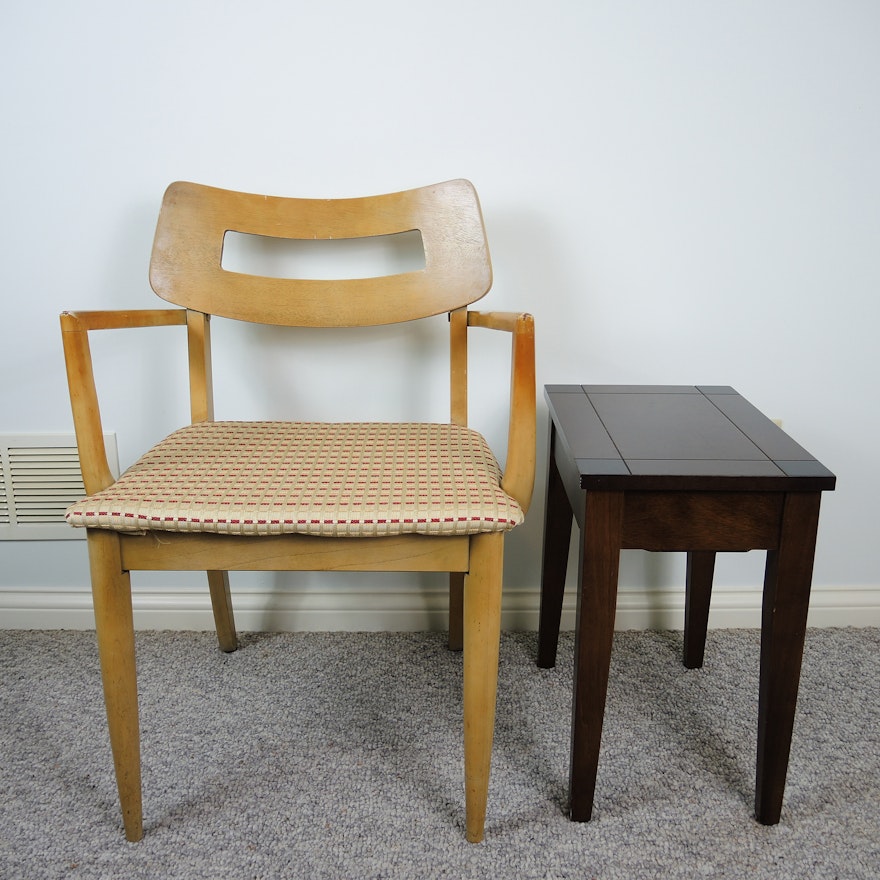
697, 595
677, 468
557, 541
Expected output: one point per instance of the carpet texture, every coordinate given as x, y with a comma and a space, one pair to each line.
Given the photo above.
315, 755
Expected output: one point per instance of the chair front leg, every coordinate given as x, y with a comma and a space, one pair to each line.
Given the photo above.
114, 625
482, 636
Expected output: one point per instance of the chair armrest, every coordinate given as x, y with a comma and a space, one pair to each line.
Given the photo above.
519, 472
75, 328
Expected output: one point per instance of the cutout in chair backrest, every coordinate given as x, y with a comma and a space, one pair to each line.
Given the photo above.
375, 256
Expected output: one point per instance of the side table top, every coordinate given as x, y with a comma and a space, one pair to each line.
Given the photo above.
686, 437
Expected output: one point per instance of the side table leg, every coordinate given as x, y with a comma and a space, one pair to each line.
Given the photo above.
557, 538
698, 593
787, 582
596, 608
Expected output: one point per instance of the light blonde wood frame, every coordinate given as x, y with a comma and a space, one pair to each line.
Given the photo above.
186, 271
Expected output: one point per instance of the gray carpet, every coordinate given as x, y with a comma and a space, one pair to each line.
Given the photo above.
339, 756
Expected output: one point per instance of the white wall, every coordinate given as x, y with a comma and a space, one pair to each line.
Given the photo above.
681, 192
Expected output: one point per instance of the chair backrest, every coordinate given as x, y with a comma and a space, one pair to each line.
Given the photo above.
186, 266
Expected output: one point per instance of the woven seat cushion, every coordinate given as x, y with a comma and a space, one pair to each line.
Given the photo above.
330, 479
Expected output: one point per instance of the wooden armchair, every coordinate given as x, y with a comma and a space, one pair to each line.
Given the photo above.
222, 496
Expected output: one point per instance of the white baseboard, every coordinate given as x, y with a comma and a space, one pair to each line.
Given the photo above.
409, 610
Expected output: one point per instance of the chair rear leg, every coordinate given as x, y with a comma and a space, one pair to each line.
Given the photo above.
221, 603
114, 625
456, 610
482, 635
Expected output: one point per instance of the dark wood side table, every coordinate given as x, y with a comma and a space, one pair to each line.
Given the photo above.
680, 468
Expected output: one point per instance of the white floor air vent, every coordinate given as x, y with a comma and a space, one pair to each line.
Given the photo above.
39, 479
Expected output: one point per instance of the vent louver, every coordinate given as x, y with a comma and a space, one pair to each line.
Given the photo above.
39, 478
4, 503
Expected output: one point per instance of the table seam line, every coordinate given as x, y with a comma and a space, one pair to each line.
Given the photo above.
747, 436
608, 434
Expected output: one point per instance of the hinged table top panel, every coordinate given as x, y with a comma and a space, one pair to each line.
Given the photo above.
682, 437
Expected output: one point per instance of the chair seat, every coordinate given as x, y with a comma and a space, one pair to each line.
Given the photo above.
315, 478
